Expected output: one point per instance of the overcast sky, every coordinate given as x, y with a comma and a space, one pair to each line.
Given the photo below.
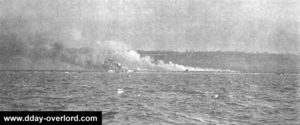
200, 25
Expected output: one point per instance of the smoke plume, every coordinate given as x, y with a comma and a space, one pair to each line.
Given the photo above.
17, 54
132, 59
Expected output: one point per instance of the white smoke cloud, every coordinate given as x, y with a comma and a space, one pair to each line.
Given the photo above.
132, 59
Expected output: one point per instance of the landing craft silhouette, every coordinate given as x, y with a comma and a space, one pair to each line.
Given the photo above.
113, 66
280, 74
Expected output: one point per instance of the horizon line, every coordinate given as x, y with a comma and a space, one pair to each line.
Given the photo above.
186, 51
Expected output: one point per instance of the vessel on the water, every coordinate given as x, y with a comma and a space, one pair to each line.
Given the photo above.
110, 65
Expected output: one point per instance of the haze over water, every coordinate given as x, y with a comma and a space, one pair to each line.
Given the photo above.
198, 25
48, 48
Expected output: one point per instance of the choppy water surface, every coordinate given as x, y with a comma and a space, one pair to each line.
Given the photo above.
158, 98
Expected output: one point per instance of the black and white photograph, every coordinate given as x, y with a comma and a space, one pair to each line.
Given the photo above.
150, 62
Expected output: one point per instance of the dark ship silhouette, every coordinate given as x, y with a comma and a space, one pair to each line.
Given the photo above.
110, 65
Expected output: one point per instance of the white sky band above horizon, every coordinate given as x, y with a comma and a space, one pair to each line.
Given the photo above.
199, 25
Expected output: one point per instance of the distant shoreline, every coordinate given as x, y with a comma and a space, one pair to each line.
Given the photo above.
82, 71
236, 61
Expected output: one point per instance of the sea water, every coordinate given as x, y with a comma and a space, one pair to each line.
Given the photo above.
182, 98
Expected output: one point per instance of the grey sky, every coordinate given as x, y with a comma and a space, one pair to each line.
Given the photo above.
204, 25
